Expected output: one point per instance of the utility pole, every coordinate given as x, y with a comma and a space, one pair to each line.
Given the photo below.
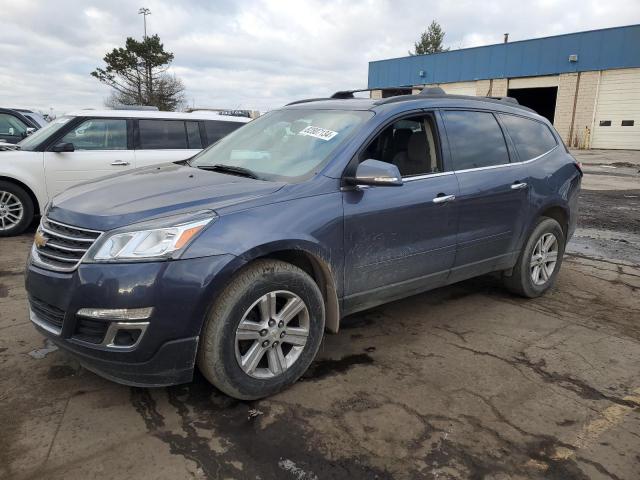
144, 11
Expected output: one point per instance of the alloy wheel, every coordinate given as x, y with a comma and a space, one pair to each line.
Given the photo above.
272, 334
11, 210
544, 258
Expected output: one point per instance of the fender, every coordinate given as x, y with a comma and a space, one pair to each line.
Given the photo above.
26, 168
324, 272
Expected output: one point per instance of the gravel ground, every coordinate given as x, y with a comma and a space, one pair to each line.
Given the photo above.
462, 382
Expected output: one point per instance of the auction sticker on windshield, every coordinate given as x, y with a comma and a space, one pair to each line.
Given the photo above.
317, 132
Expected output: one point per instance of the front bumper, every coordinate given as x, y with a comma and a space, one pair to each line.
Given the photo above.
180, 293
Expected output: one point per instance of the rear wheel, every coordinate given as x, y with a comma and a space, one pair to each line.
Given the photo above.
16, 209
539, 262
263, 332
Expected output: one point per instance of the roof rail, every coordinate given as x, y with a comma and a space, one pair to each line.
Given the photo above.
305, 100
339, 95
506, 99
344, 94
432, 91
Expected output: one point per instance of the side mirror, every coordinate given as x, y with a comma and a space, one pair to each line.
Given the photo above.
376, 173
63, 147
28, 132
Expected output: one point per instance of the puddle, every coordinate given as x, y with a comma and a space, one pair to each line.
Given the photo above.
606, 244
325, 368
57, 372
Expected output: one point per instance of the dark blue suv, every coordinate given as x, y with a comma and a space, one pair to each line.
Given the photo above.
239, 259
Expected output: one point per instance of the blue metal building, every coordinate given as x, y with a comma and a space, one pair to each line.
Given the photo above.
587, 83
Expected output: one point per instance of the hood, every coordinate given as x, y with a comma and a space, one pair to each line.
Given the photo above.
152, 192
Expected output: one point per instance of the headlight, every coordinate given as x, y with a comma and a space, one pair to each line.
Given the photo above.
161, 239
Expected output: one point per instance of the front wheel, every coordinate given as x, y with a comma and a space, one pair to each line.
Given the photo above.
263, 332
16, 209
539, 262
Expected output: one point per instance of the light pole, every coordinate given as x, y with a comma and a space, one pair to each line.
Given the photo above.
144, 11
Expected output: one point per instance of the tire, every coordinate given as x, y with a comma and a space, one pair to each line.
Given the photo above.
16, 209
221, 353
521, 281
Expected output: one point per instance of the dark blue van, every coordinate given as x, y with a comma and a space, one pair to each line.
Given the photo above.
239, 259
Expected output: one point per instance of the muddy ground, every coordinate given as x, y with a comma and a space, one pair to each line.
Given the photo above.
467, 381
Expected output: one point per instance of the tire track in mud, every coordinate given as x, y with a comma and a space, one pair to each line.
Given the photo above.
280, 450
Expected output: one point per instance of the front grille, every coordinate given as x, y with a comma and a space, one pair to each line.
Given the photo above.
61, 247
52, 316
90, 330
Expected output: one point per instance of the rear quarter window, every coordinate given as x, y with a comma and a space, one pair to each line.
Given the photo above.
530, 137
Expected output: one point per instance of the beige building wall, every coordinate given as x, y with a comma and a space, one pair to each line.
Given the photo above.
500, 87
492, 88
575, 127
483, 88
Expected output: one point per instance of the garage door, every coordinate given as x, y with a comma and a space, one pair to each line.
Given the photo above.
617, 121
459, 88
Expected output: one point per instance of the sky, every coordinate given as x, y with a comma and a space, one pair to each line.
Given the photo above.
257, 54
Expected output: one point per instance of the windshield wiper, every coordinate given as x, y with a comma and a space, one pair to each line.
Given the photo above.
231, 169
9, 146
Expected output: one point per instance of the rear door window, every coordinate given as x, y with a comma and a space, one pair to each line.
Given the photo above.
217, 129
531, 138
162, 134
476, 139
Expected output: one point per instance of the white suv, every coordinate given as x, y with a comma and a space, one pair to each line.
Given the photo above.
89, 144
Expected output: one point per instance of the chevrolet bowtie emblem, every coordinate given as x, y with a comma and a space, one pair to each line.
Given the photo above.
40, 240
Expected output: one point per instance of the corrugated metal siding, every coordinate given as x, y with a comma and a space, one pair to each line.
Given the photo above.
597, 50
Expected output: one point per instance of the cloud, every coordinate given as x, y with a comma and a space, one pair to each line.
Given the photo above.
256, 54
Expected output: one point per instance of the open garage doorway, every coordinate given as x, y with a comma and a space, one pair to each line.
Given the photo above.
394, 92
540, 99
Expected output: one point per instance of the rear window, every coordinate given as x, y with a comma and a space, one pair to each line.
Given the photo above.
476, 139
162, 134
217, 129
531, 138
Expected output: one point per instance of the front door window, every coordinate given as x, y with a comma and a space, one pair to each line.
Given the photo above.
409, 144
10, 126
98, 134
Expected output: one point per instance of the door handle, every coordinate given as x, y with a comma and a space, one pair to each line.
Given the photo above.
518, 185
441, 198
120, 163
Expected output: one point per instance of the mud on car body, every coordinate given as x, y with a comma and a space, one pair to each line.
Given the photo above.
239, 260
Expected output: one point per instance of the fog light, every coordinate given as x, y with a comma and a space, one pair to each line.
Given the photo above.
127, 338
116, 313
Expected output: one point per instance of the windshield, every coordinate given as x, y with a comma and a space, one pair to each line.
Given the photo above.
284, 144
35, 117
37, 137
